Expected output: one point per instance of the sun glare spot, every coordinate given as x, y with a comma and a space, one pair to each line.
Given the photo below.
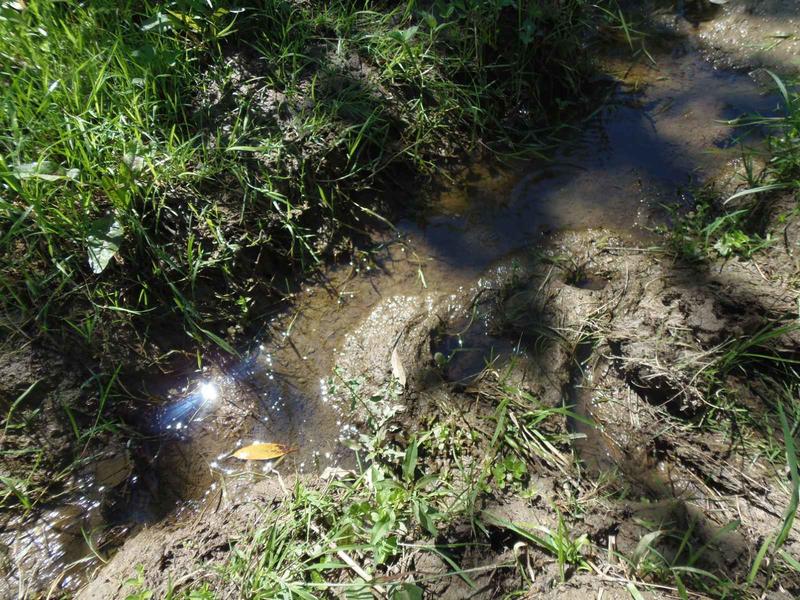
209, 392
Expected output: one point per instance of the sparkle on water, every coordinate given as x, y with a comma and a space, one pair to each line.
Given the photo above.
209, 391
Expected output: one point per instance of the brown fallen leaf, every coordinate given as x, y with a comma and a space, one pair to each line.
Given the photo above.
262, 451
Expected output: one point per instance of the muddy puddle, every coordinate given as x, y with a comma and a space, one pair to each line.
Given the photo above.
661, 130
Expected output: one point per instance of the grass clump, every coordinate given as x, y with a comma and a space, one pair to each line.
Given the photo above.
709, 232
784, 144
166, 166
734, 226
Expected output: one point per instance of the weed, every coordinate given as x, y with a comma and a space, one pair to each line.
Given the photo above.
709, 231
772, 544
723, 228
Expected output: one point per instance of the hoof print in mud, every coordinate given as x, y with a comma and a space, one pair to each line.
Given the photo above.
655, 386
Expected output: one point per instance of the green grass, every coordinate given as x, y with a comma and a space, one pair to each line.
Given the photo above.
167, 166
734, 226
783, 168
167, 169
709, 232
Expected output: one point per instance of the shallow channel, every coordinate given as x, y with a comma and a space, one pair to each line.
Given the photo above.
661, 130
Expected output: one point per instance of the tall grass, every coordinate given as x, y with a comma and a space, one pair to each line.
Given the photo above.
180, 159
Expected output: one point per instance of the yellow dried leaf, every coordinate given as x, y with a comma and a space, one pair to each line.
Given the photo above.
261, 451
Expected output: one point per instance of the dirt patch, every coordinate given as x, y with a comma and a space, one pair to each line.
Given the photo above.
739, 34
657, 330
171, 553
654, 330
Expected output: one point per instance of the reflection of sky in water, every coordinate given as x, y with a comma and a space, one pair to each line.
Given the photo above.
195, 405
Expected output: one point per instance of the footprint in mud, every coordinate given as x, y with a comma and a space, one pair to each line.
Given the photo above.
463, 349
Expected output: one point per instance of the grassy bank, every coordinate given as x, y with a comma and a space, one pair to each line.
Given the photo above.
167, 167
735, 224
752, 223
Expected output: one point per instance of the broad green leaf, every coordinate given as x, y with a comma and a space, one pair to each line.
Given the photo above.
425, 516
383, 525
104, 242
407, 591
410, 460
45, 170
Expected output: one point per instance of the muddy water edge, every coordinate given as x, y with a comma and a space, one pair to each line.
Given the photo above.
660, 132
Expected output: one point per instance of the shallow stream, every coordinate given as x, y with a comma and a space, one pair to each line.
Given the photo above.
661, 130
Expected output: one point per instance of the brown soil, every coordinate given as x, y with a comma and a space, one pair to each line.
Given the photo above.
738, 34
170, 552
644, 327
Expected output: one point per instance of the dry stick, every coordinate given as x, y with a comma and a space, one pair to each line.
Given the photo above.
359, 571
755, 264
376, 588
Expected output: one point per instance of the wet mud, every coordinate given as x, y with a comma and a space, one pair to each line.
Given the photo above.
740, 34
449, 293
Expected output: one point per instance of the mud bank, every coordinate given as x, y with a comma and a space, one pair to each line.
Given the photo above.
738, 34
594, 319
